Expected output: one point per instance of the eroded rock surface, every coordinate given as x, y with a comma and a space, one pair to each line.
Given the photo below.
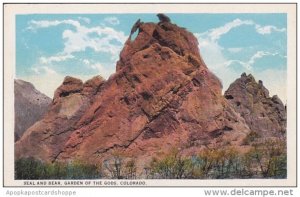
162, 96
265, 115
46, 138
30, 106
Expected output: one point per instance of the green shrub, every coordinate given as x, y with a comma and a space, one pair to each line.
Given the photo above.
172, 166
265, 159
268, 158
30, 168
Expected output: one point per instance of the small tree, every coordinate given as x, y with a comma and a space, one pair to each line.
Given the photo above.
171, 166
270, 157
115, 165
130, 169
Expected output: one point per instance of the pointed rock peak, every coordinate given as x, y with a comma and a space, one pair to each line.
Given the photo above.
165, 34
163, 18
247, 83
247, 78
250, 78
244, 75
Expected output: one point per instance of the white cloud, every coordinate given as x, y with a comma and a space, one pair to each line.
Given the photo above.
85, 19
33, 24
76, 39
102, 70
248, 64
85, 61
112, 20
211, 52
213, 55
215, 34
258, 55
56, 58
100, 39
268, 29
43, 70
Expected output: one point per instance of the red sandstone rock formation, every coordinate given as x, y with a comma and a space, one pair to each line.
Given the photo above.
265, 115
162, 96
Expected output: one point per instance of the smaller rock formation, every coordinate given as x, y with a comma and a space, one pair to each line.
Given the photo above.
265, 115
30, 106
70, 101
70, 85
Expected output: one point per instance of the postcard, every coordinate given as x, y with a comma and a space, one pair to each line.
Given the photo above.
149, 95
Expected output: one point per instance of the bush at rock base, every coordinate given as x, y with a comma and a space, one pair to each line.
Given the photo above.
30, 168
265, 159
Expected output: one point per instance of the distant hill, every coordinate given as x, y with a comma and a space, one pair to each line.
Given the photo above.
30, 106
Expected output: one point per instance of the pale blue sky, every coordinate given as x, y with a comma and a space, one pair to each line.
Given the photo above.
50, 47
